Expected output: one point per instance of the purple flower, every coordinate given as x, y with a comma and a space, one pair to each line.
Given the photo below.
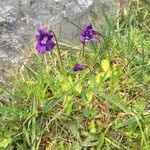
79, 67
44, 40
88, 34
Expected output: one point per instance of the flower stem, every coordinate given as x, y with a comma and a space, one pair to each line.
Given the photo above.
107, 45
58, 50
89, 69
83, 51
33, 136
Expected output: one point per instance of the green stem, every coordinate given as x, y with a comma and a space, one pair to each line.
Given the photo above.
73, 23
142, 61
107, 45
89, 69
83, 49
33, 136
58, 50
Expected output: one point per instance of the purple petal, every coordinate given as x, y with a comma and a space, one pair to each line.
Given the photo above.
82, 38
88, 34
50, 45
42, 31
50, 35
89, 27
44, 40
41, 48
79, 67
38, 38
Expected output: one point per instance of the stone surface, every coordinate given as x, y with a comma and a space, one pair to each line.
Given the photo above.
19, 20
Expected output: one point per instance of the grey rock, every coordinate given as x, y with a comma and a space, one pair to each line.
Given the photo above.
19, 20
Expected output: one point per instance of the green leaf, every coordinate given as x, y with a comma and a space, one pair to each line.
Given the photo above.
74, 130
61, 145
98, 77
51, 146
89, 144
91, 84
5, 142
76, 147
92, 127
101, 141
140, 105
147, 130
105, 65
147, 147
78, 88
67, 83
69, 147
26, 134
89, 96
68, 104
91, 140
113, 143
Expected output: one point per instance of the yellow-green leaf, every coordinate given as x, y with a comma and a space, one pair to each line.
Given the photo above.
70, 79
105, 65
67, 104
92, 127
78, 88
89, 96
91, 83
101, 141
67, 83
99, 76
5, 142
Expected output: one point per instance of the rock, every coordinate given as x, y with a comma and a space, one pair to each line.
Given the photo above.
19, 20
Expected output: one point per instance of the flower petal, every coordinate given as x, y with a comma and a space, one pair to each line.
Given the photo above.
41, 48
88, 34
50, 45
79, 67
38, 38
42, 31
44, 40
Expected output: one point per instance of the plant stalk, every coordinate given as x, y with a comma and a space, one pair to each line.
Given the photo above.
58, 50
33, 136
